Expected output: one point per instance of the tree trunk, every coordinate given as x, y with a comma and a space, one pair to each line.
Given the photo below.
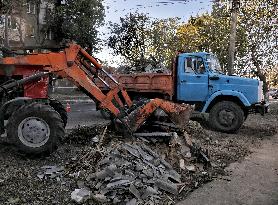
259, 72
6, 33
232, 41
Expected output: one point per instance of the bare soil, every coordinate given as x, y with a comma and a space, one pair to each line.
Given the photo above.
19, 183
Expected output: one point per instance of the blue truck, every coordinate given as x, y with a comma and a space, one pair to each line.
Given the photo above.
196, 78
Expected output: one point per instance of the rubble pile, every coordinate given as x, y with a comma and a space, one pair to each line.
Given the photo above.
69, 178
139, 171
132, 173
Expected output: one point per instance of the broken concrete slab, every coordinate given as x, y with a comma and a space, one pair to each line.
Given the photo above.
167, 186
81, 195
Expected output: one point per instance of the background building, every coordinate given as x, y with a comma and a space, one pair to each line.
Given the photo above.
23, 25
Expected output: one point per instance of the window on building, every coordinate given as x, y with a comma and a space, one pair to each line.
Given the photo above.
30, 31
33, 32
48, 35
12, 23
31, 8
2, 21
47, 14
28, 5
34, 9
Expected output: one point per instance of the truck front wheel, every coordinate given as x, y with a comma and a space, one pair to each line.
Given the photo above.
226, 117
35, 129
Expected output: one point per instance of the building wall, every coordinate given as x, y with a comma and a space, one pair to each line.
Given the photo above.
24, 26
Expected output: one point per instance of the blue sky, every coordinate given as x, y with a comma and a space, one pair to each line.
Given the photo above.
183, 9
157, 8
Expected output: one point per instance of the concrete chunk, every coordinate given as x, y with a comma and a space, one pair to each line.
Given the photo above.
135, 191
100, 198
167, 186
132, 150
149, 191
80, 195
132, 202
115, 184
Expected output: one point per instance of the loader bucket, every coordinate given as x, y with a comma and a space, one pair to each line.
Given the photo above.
178, 113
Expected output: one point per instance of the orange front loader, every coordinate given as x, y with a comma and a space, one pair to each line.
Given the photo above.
75, 64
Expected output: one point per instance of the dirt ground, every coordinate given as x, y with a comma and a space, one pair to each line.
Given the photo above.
20, 184
254, 181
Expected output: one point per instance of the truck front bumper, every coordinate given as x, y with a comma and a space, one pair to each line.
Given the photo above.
261, 108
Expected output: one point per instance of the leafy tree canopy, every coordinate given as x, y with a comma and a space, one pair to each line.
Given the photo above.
78, 20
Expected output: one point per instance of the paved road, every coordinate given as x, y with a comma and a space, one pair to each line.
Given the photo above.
83, 114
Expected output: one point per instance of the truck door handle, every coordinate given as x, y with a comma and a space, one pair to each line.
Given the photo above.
183, 81
214, 78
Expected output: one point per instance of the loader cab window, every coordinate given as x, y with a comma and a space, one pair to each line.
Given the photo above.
194, 65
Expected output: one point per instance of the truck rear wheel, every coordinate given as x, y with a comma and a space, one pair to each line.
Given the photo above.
35, 129
226, 116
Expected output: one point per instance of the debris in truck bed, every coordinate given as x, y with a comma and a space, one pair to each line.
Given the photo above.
147, 66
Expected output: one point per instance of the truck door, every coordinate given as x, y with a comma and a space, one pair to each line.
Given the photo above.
192, 79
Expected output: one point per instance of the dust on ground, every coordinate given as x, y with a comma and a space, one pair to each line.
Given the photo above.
20, 182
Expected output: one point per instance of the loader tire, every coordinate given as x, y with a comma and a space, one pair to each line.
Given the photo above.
226, 116
59, 107
35, 129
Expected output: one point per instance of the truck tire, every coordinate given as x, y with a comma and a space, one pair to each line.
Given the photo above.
59, 107
35, 129
226, 116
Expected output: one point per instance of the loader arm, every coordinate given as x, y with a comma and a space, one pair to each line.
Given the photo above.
75, 64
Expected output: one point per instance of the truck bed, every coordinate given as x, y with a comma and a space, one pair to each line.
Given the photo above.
158, 84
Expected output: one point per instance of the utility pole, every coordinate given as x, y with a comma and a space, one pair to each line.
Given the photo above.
234, 13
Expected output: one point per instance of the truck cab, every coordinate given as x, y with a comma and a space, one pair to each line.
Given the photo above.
226, 99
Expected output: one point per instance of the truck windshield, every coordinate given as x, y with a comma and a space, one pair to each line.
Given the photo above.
213, 63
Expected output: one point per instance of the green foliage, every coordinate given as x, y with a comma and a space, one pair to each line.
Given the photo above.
78, 20
210, 33
163, 39
129, 37
259, 20
137, 36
